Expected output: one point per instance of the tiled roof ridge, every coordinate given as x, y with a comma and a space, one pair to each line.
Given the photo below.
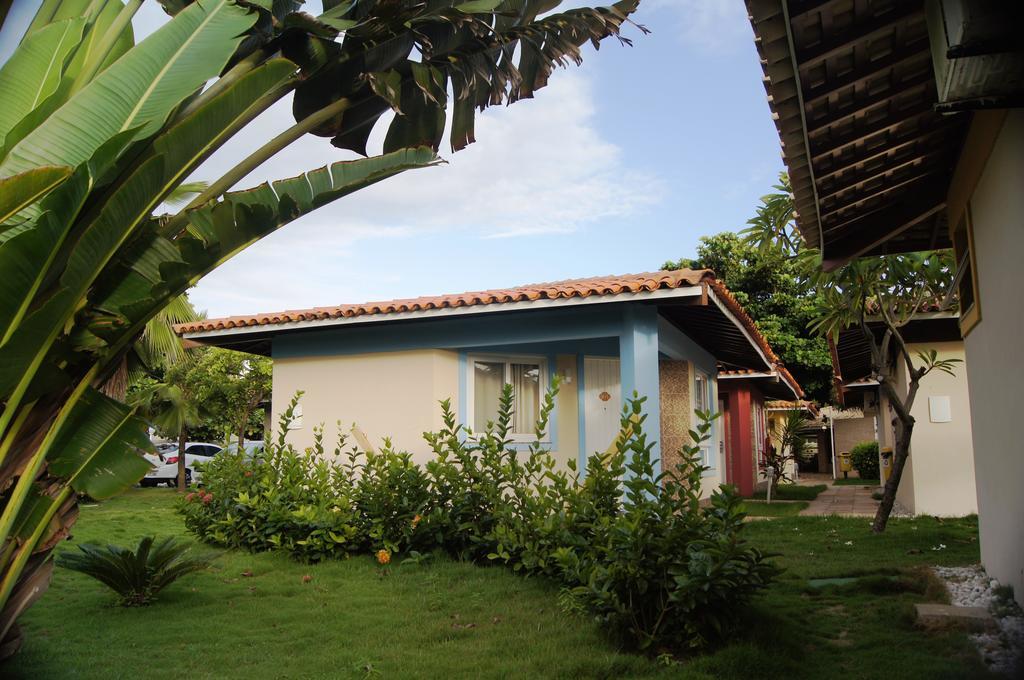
549, 290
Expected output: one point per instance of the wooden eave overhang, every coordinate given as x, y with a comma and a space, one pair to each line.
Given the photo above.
852, 91
851, 354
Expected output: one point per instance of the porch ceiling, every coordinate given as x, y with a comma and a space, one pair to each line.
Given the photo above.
852, 91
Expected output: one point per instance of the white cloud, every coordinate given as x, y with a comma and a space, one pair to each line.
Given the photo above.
709, 26
539, 167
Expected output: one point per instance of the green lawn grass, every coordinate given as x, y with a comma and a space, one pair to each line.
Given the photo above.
857, 481
780, 509
793, 492
447, 619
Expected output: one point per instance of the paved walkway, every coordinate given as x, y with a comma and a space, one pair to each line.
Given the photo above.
849, 501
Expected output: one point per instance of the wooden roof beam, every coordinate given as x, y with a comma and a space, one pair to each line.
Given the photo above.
898, 90
900, 58
867, 232
926, 141
860, 33
920, 110
891, 166
887, 190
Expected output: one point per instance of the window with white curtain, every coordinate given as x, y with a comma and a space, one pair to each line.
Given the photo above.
489, 374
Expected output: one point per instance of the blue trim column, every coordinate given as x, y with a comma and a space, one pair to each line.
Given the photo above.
638, 353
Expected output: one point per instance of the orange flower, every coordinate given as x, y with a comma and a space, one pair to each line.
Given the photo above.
383, 556
415, 521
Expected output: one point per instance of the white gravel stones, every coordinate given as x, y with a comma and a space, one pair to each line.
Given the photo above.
1002, 651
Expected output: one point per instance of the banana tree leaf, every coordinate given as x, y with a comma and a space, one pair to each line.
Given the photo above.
34, 70
177, 152
160, 268
20, 191
27, 344
271, 15
99, 16
51, 11
97, 38
98, 449
185, 145
21, 258
37, 507
420, 122
139, 90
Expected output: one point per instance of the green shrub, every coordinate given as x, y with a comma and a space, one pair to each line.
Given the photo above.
864, 457
665, 571
391, 495
135, 575
793, 492
634, 547
297, 502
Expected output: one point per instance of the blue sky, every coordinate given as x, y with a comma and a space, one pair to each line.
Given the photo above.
614, 167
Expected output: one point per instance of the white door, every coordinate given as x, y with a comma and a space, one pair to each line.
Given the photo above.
602, 402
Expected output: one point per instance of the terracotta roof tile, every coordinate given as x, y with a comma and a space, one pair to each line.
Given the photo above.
793, 405
554, 290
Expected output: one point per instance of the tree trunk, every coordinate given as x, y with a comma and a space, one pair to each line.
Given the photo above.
900, 452
182, 440
241, 430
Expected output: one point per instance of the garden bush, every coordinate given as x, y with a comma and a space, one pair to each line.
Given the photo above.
864, 458
634, 546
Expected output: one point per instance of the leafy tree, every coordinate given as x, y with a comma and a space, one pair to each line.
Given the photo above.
887, 293
233, 386
173, 406
98, 132
877, 295
771, 288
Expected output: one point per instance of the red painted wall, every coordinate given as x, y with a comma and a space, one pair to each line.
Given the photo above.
741, 468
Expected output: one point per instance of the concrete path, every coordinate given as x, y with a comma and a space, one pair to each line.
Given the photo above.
849, 501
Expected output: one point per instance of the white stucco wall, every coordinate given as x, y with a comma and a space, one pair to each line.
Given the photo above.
939, 477
995, 365
387, 394
396, 395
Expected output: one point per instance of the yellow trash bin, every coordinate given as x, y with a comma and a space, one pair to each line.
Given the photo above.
845, 463
886, 463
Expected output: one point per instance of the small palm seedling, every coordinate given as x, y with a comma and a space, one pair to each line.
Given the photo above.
136, 576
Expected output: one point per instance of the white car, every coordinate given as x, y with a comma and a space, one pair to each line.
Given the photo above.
165, 463
250, 449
